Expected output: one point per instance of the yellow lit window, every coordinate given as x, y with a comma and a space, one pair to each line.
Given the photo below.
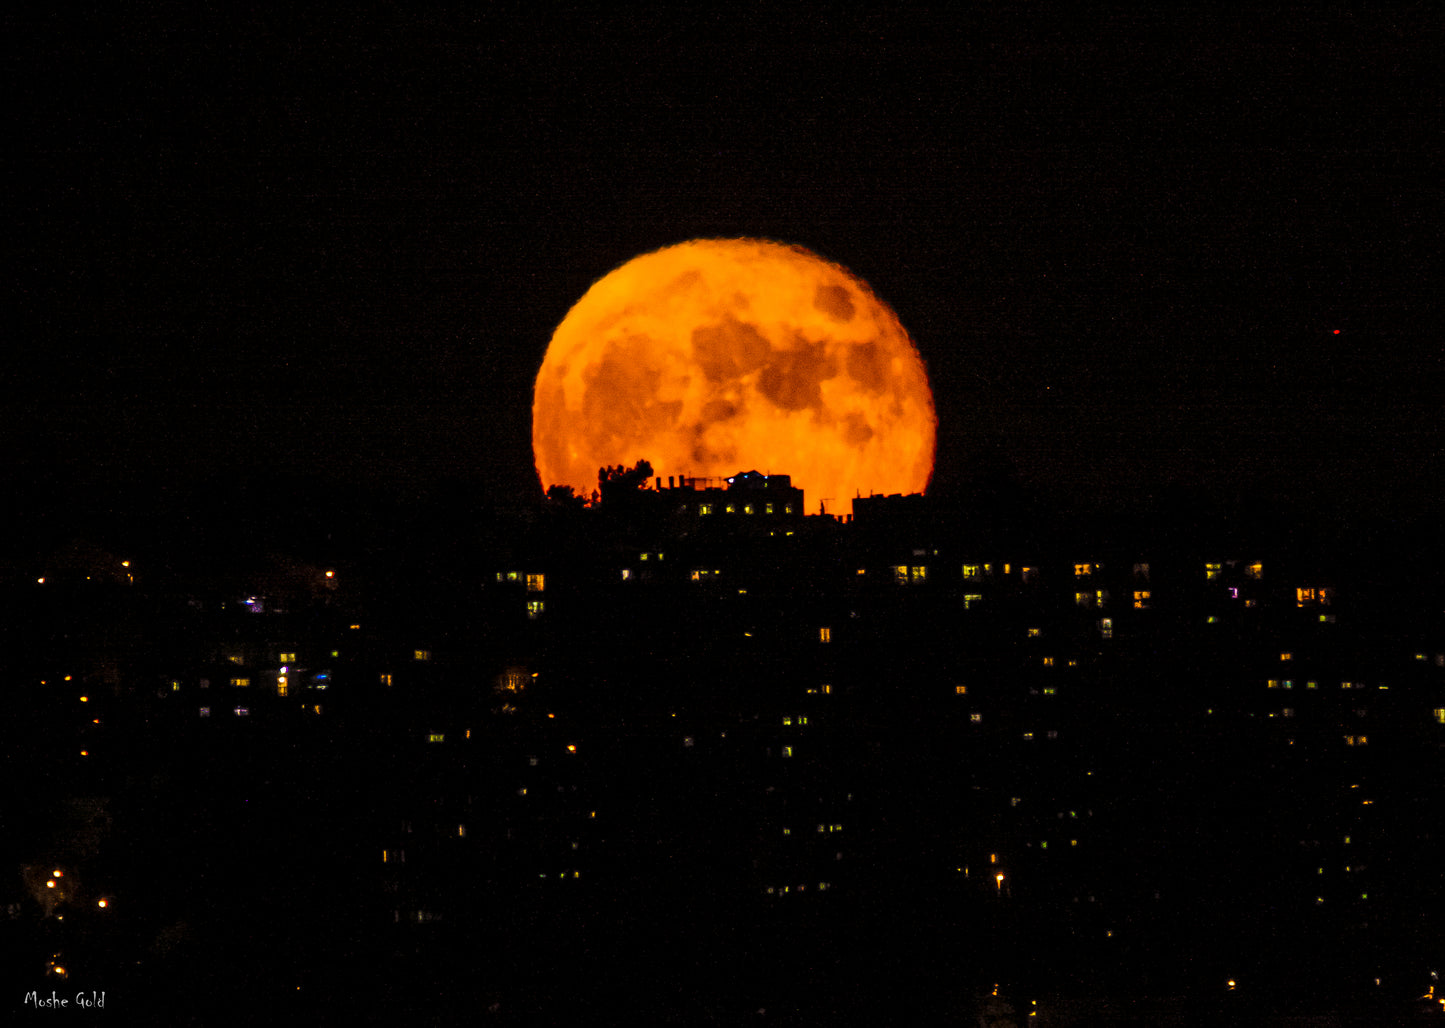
536, 583
240, 683
1106, 628
235, 658
421, 654
1286, 656
1303, 596
1080, 570
288, 658
960, 690
747, 508
900, 574
976, 718
1048, 662
282, 685
787, 508
1141, 599
1440, 715
1083, 599
436, 737
767, 508
1255, 570
917, 574
973, 571
972, 600
1213, 571
1029, 574
385, 679
704, 508
534, 609
787, 751
1034, 633
825, 635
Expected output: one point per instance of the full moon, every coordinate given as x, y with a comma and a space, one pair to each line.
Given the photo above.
717, 356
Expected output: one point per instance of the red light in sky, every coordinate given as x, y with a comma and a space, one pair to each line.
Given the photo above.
1337, 331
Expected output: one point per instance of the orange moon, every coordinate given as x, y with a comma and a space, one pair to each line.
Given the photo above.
717, 356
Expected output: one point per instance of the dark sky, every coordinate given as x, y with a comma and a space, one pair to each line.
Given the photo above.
1135, 250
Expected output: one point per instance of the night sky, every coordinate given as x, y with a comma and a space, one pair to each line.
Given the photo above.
1136, 251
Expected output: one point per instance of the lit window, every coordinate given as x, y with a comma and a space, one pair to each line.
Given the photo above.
976, 718
461, 831
240, 683
1440, 715
1048, 662
1106, 628
704, 508
917, 574
747, 508
235, 658
962, 690
288, 658
626, 574
767, 508
205, 712
1255, 570
1287, 712
1081, 570
536, 583
900, 574
436, 737
825, 635
242, 711
421, 654
973, 571
1286, 656
282, 685
787, 508
1029, 574
534, 609
1141, 599
385, 679
972, 600
1050, 690
1303, 596
1083, 599
1034, 633
1213, 571
787, 751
